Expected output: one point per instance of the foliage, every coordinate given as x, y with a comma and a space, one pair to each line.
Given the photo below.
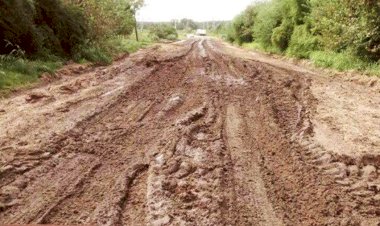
108, 17
243, 24
60, 28
40, 26
36, 36
268, 18
281, 35
302, 42
187, 24
340, 61
15, 71
164, 31
355, 26
342, 34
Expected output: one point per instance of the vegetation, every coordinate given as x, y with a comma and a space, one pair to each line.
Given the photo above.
163, 31
342, 34
39, 35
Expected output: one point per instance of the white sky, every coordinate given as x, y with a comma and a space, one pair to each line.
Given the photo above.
198, 10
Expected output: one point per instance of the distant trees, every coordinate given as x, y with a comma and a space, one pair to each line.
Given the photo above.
187, 24
163, 31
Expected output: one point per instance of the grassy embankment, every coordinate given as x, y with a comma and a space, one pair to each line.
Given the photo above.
18, 71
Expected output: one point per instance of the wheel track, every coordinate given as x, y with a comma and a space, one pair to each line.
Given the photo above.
200, 138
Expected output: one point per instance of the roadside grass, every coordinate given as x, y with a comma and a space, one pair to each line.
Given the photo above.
103, 52
17, 72
338, 61
260, 47
344, 62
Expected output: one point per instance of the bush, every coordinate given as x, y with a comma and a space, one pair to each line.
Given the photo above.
16, 25
340, 61
40, 26
302, 42
268, 18
164, 31
61, 28
93, 53
281, 35
355, 29
107, 18
243, 24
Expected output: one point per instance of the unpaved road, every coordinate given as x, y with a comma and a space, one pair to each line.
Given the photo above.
192, 133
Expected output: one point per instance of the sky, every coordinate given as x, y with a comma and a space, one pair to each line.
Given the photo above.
198, 10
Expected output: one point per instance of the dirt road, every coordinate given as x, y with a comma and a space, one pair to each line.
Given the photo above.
192, 133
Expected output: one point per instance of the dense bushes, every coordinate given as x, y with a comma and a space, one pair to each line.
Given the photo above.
40, 26
243, 24
108, 17
163, 31
61, 27
300, 27
37, 36
348, 25
302, 42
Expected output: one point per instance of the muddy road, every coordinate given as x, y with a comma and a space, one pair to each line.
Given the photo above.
192, 133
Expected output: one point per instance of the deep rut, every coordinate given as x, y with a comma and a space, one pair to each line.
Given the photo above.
179, 134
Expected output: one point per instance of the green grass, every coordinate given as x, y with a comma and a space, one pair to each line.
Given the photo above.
259, 47
343, 62
17, 72
338, 61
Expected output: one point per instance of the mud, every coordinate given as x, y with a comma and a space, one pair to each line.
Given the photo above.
192, 133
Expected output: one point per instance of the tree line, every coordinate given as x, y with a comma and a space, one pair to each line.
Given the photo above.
301, 28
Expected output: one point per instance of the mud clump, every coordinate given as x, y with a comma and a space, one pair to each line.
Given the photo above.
37, 96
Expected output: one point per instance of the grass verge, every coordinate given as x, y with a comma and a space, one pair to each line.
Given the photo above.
338, 61
17, 72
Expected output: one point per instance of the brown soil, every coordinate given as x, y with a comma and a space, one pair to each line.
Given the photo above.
192, 133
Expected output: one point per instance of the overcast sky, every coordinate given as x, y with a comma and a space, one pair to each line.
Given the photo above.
198, 10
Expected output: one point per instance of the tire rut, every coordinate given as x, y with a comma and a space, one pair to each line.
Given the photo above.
178, 134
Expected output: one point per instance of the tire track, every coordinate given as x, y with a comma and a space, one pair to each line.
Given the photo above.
251, 197
182, 134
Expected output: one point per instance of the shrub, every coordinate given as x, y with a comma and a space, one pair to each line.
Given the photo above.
268, 18
40, 26
16, 25
242, 25
342, 27
164, 31
340, 61
302, 42
107, 18
281, 35
61, 28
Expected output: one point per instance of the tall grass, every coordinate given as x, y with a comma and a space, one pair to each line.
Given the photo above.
341, 61
17, 72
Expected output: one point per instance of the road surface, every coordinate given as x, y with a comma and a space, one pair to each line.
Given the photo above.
195, 132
